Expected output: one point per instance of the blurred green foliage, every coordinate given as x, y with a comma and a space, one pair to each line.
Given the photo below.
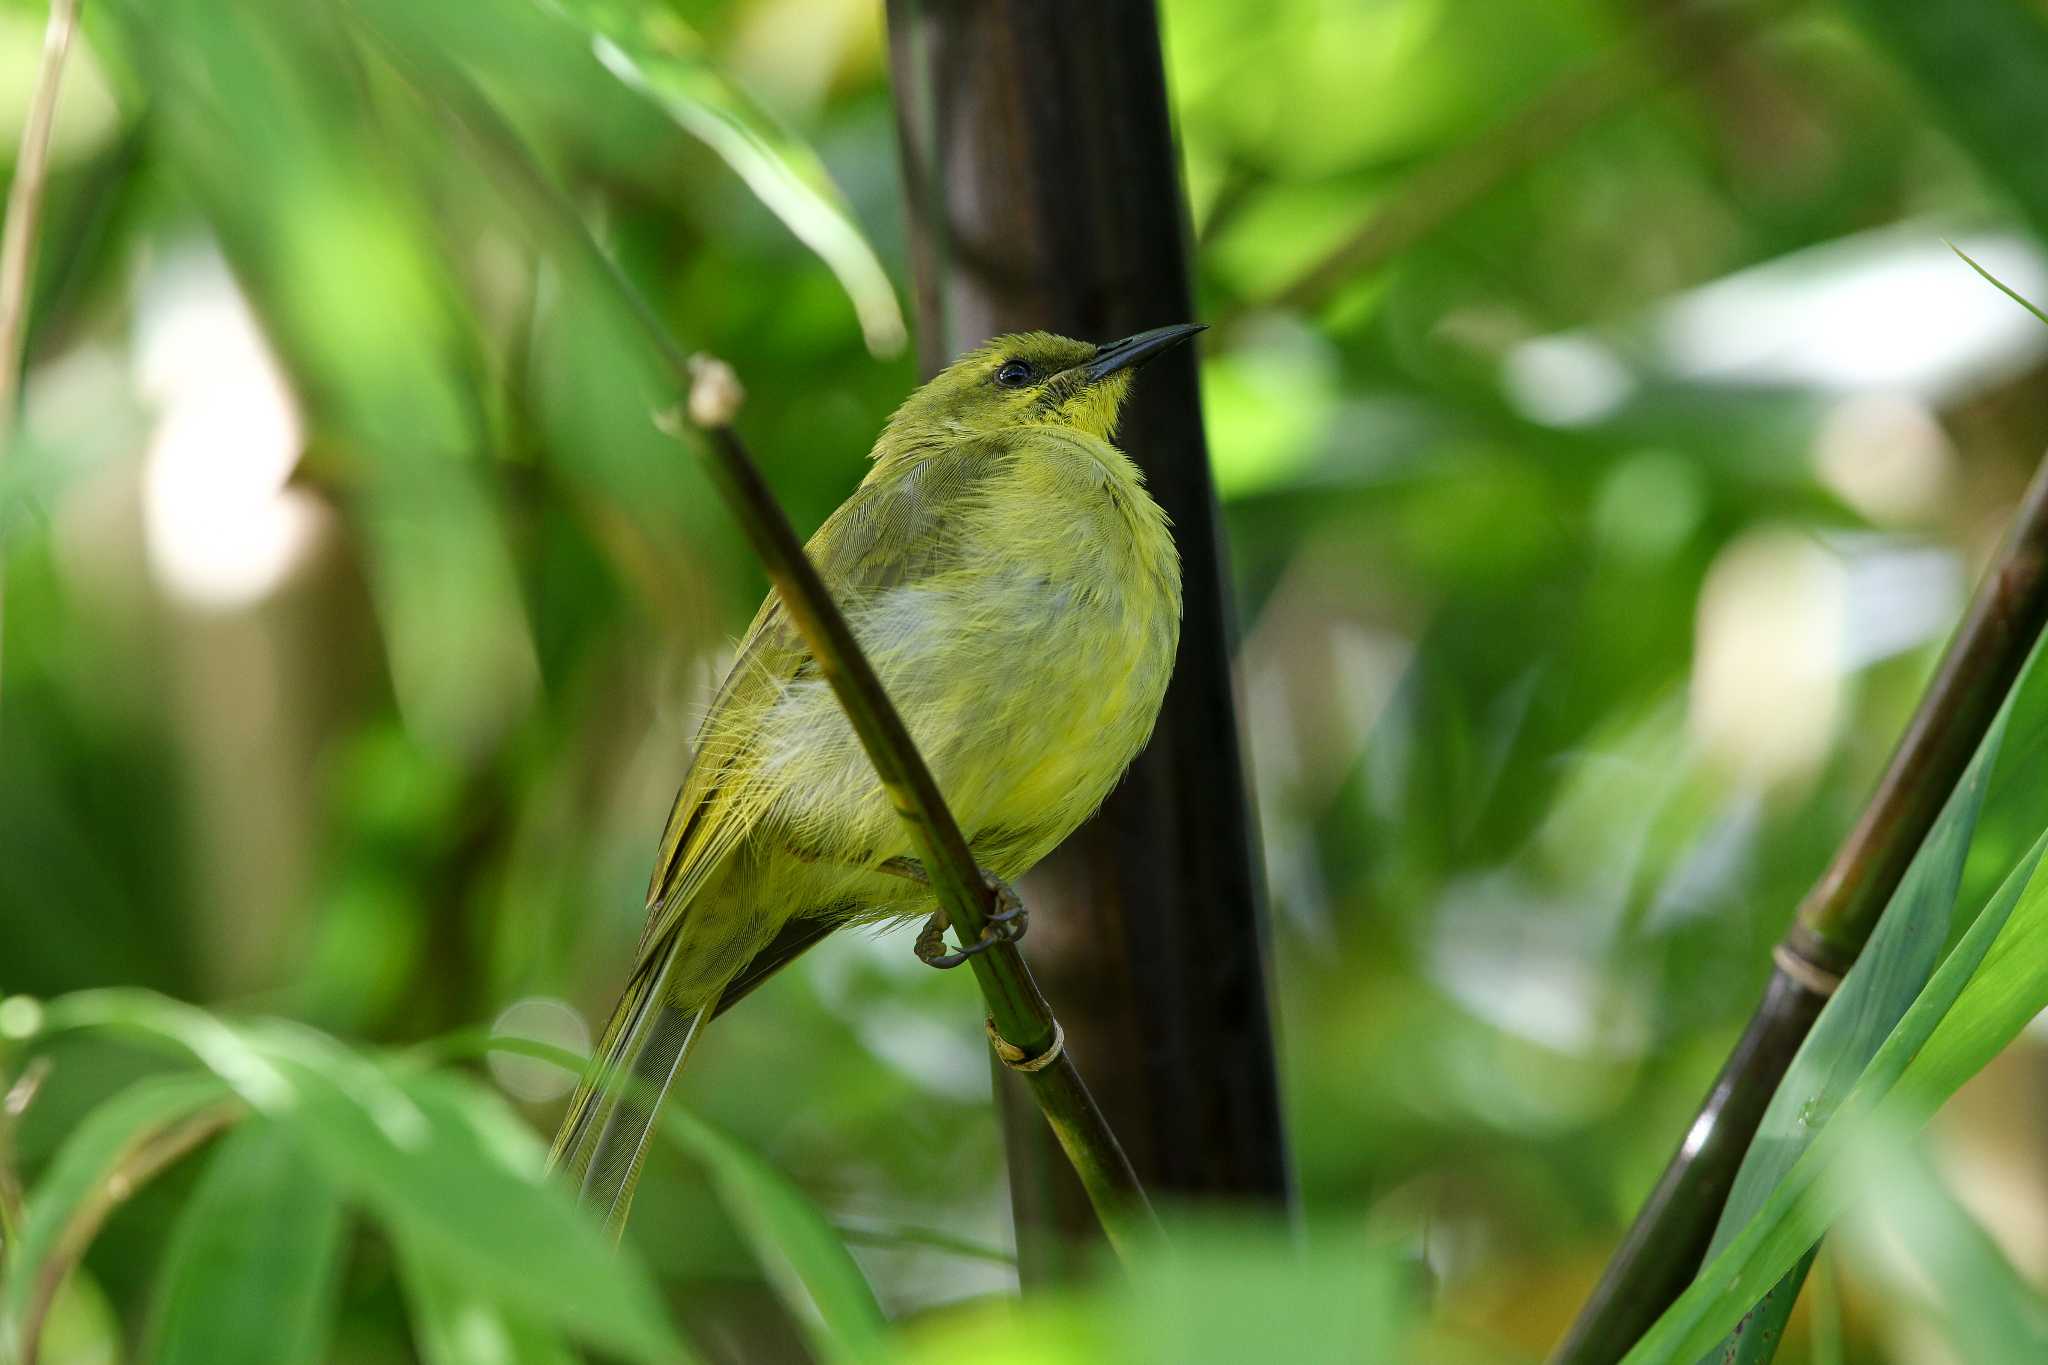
1590, 551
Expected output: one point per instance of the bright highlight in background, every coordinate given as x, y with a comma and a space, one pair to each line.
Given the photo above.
1767, 676
222, 528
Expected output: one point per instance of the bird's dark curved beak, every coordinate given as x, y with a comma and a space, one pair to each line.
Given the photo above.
1136, 350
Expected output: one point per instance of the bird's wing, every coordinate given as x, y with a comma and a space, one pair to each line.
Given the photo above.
895, 529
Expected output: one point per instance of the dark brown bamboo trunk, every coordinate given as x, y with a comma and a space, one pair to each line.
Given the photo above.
1044, 192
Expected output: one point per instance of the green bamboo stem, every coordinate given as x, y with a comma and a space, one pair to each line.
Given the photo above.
1665, 1245
1016, 1008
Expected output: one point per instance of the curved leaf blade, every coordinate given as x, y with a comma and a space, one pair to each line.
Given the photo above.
251, 1272
89, 1155
455, 1325
1983, 993
459, 1179
435, 1158
1888, 977
799, 1248
782, 170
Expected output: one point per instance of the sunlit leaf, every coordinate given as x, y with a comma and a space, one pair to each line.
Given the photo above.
800, 1249
644, 50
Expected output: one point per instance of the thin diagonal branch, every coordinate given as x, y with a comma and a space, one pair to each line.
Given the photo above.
24, 215
1018, 1010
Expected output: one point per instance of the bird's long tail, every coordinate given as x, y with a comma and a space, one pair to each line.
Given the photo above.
610, 1121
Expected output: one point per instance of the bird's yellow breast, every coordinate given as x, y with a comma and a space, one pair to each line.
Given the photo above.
1029, 672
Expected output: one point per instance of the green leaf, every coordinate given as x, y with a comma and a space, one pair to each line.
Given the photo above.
798, 1247
460, 1179
803, 1253
1826, 1313
644, 49
1980, 997
92, 1151
436, 1158
1887, 978
1983, 68
1987, 1311
455, 1325
250, 1274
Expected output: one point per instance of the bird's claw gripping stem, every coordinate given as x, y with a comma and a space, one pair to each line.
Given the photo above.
1006, 925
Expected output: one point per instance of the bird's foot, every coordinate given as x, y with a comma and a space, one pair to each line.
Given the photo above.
1006, 925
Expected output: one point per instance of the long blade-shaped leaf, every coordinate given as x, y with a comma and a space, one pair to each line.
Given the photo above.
81, 1167
799, 1248
1888, 977
436, 1159
782, 170
1996, 794
1981, 64
455, 1325
1987, 1310
450, 1171
250, 1275
1980, 997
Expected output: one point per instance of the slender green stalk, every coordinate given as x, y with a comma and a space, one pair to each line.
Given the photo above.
1018, 1011
12, 1106
24, 215
1664, 1246
2000, 285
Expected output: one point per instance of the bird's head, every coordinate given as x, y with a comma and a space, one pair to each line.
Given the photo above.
1034, 379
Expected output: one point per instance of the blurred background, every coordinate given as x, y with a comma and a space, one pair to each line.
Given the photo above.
1593, 531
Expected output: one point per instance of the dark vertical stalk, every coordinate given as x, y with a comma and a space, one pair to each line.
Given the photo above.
1665, 1245
1044, 191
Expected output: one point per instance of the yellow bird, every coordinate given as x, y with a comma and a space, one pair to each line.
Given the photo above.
1018, 592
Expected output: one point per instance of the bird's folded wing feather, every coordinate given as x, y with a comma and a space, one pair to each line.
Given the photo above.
898, 527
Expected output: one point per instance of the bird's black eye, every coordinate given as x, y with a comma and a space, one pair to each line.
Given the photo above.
1015, 374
